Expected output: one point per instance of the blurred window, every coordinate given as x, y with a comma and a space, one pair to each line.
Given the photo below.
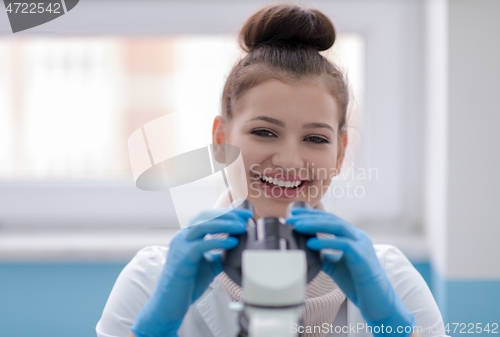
69, 104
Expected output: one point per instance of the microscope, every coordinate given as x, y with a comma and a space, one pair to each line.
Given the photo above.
273, 265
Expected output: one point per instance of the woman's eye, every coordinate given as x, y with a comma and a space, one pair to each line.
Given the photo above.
318, 140
267, 134
263, 133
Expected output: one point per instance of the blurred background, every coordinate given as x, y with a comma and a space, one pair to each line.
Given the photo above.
420, 172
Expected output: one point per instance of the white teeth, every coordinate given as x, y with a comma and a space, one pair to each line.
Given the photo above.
282, 182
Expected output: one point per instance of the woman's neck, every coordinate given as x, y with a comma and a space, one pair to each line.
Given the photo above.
225, 201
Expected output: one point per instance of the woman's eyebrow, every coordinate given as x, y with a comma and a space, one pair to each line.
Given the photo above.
282, 124
317, 125
268, 119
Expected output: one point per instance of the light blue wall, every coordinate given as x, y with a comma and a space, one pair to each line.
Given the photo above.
61, 299
471, 303
54, 300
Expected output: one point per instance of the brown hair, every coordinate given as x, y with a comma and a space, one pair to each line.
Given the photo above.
283, 42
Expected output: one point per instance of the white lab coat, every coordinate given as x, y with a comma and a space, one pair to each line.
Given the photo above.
209, 316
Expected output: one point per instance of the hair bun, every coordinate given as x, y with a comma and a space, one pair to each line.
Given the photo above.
284, 24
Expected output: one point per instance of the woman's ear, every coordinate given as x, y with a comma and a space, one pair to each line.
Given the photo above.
218, 139
341, 150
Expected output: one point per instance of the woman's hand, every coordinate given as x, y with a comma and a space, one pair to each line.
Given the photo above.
356, 270
189, 269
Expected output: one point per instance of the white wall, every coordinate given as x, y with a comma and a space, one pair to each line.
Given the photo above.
463, 159
474, 152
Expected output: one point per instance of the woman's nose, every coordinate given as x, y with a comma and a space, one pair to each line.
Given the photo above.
288, 156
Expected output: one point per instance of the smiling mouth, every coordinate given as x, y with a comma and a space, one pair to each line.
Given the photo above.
291, 185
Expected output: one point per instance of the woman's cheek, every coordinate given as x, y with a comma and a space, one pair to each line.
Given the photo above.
322, 173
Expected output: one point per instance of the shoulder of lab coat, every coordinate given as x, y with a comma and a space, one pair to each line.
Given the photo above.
410, 287
132, 289
209, 316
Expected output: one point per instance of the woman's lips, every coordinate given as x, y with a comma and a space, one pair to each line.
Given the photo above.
281, 192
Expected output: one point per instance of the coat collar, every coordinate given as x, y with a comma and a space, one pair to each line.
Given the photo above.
222, 322
214, 310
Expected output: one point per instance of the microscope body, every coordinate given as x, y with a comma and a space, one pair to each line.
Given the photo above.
273, 265
274, 284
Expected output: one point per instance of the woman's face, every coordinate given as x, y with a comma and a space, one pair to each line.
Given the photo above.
286, 132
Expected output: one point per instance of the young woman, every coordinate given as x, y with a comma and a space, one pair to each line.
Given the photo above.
284, 107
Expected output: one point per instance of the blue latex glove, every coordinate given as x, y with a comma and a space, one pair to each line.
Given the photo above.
189, 269
356, 270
